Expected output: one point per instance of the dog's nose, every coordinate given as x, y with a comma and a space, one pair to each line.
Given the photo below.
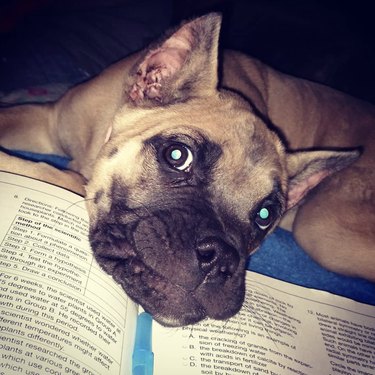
217, 258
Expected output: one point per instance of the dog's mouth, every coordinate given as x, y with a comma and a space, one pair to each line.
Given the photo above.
178, 269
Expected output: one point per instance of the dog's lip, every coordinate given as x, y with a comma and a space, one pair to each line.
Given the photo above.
187, 318
193, 301
200, 311
194, 314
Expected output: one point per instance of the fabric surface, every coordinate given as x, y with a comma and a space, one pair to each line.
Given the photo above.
281, 258
72, 46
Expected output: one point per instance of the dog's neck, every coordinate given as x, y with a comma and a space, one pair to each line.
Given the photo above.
98, 102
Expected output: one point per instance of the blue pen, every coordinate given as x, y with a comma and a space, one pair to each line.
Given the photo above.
143, 357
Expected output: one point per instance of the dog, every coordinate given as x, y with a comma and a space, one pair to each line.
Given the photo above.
187, 164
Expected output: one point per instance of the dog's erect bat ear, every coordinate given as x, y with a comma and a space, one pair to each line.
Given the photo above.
308, 168
182, 66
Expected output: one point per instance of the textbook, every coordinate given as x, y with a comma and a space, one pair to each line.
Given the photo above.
61, 314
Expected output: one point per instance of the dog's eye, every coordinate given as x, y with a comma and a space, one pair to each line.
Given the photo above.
178, 156
265, 217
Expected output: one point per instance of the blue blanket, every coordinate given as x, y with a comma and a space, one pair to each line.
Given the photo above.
281, 258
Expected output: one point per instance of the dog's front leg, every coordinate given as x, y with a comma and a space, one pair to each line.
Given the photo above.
31, 128
39, 170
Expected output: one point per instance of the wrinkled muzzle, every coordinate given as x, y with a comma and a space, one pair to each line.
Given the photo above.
179, 263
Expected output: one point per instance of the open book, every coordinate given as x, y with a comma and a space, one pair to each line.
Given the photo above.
60, 314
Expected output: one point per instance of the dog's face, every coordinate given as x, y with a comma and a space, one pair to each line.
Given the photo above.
178, 206
189, 183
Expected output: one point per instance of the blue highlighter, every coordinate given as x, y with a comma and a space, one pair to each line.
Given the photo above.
143, 357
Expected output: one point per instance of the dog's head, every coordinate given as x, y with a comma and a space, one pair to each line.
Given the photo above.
190, 182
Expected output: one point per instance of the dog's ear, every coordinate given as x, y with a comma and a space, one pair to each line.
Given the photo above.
307, 169
183, 65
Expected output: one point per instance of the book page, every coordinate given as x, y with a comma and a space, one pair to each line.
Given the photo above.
59, 313
282, 329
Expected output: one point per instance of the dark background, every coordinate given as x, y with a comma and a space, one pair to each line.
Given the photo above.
45, 41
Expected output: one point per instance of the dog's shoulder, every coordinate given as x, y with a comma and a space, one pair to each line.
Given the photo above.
245, 75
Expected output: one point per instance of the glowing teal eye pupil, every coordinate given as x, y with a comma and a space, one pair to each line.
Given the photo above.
176, 154
264, 213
